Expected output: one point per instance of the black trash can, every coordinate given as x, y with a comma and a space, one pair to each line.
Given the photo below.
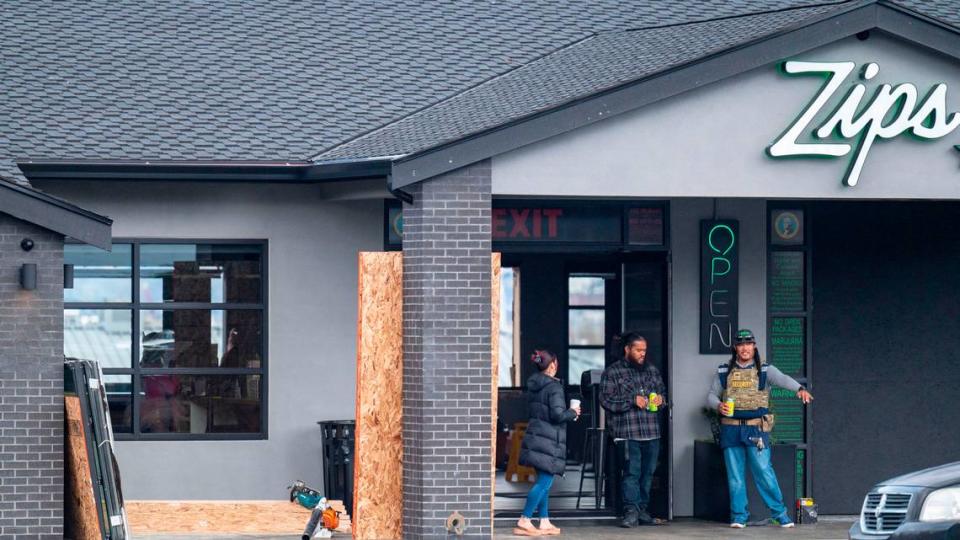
338, 445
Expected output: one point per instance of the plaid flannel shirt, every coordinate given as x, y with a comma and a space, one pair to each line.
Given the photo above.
620, 385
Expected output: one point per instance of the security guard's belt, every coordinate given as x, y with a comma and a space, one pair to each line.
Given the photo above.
741, 421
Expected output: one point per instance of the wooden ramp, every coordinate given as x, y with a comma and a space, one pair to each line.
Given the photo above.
222, 517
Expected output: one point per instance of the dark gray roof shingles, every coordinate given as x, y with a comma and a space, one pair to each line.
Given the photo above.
278, 80
945, 11
593, 65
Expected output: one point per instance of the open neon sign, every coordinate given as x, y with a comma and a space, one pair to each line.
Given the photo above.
892, 111
719, 285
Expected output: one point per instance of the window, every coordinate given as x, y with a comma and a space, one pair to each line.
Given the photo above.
509, 358
179, 329
586, 325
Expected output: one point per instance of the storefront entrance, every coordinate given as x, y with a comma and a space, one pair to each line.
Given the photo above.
573, 304
574, 275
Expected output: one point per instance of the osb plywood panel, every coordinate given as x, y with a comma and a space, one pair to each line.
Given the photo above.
494, 363
217, 517
81, 505
379, 446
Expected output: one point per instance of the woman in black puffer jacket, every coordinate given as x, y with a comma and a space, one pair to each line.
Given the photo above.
544, 445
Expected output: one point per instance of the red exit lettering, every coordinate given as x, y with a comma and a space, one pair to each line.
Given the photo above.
521, 223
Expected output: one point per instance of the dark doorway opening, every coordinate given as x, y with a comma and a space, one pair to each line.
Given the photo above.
572, 304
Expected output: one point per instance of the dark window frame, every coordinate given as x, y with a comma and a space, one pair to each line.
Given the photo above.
584, 307
137, 373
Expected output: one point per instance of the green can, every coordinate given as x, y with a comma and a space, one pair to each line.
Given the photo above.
651, 406
730, 403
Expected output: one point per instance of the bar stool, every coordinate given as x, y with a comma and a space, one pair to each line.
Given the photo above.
522, 472
593, 466
594, 443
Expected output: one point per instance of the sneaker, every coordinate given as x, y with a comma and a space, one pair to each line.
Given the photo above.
643, 518
783, 523
631, 518
737, 525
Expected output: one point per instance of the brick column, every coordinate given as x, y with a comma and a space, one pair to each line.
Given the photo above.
446, 354
31, 384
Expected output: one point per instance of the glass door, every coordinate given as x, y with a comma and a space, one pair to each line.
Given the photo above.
646, 310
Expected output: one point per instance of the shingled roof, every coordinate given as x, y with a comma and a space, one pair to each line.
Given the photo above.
592, 65
354, 80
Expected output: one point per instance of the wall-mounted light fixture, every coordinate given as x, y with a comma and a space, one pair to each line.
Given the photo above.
68, 276
28, 276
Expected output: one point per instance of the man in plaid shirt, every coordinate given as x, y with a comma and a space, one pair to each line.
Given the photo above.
625, 390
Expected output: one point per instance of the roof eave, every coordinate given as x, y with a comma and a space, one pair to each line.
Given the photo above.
56, 215
203, 171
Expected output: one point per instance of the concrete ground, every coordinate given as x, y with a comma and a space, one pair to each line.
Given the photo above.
828, 529
832, 529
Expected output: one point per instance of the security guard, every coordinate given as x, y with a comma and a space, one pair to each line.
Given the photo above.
745, 425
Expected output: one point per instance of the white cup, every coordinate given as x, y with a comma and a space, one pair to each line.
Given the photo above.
574, 403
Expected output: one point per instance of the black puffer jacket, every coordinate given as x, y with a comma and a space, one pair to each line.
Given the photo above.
545, 443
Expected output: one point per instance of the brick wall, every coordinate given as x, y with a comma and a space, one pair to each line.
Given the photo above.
31, 385
446, 354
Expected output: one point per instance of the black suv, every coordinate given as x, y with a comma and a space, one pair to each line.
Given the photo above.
919, 505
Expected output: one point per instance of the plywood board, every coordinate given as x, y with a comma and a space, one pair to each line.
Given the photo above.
378, 489
217, 517
80, 503
494, 363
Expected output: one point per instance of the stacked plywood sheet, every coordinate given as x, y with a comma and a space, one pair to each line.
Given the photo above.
80, 504
379, 448
495, 368
93, 501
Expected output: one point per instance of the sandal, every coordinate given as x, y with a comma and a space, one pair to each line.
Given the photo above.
526, 529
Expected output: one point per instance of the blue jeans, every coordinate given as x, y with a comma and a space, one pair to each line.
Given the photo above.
539, 496
641, 461
763, 476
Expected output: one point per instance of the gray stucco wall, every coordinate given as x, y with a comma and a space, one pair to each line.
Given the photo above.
31, 384
711, 142
693, 372
313, 244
